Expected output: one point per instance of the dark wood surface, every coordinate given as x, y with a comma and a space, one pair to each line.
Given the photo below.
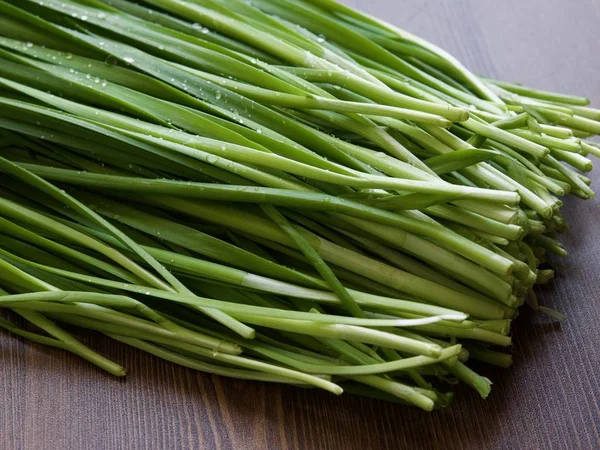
550, 398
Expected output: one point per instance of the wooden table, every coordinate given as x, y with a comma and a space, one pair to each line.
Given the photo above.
550, 398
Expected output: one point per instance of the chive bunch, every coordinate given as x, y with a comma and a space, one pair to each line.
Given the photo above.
284, 191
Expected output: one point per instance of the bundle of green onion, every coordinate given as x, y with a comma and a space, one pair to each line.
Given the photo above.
285, 191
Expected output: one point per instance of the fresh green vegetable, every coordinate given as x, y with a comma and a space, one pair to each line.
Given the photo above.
292, 192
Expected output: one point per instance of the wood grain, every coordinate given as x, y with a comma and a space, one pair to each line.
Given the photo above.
550, 398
